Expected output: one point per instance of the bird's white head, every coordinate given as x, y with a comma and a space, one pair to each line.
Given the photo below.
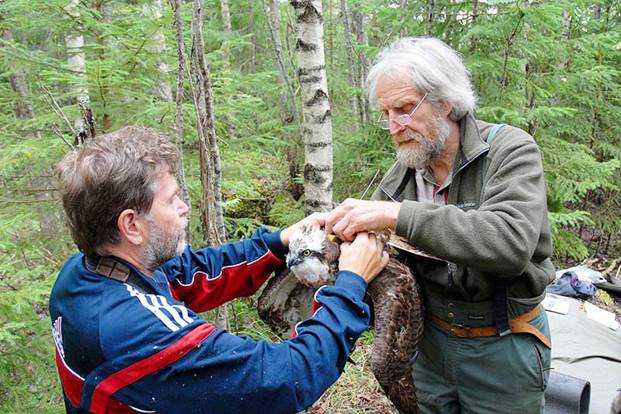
312, 258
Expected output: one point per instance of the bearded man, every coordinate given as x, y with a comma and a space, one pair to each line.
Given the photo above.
124, 310
472, 194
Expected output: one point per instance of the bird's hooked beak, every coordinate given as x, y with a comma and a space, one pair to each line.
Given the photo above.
293, 261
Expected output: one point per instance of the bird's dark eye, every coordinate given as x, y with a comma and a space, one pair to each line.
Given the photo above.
306, 253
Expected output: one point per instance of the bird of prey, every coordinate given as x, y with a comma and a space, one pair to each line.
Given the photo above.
395, 299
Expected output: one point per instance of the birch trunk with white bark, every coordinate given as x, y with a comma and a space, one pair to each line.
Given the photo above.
316, 105
76, 61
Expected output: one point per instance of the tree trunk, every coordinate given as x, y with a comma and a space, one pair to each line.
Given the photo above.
211, 201
76, 61
181, 68
225, 10
351, 64
157, 45
252, 59
316, 106
105, 10
530, 97
288, 105
475, 10
429, 17
17, 78
567, 30
212, 217
507, 51
360, 21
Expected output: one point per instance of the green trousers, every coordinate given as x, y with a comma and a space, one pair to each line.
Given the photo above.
482, 375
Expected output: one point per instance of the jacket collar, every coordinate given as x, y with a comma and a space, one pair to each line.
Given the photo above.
471, 146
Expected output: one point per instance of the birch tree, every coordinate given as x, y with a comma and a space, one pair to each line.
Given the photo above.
76, 61
317, 129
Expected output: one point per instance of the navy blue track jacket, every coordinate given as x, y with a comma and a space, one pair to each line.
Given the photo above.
122, 350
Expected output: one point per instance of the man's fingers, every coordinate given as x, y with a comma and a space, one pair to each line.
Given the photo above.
317, 220
341, 226
332, 219
385, 259
352, 229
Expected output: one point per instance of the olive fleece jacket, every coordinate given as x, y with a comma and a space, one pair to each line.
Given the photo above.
494, 226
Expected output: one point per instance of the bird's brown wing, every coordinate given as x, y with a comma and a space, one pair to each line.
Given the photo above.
398, 326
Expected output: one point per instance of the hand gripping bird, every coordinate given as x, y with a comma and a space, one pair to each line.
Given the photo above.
396, 304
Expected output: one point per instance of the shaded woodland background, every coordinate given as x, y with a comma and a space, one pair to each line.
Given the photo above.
549, 67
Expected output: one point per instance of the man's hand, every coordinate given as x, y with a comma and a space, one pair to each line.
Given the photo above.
315, 220
353, 216
364, 256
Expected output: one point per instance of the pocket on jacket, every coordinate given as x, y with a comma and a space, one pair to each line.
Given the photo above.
543, 356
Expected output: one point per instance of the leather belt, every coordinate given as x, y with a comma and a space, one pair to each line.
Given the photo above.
518, 325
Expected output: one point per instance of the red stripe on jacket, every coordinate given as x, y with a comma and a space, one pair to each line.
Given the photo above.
102, 400
72, 382
242, 279
72, 385
104, 390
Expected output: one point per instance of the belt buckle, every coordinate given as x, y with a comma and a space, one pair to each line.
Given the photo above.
453, 327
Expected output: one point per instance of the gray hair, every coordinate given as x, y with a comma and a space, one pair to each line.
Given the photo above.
107, 175
433, 67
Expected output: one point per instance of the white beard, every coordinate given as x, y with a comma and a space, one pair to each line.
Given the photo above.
426, 150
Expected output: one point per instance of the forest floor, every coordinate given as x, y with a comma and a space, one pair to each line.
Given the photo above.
356, 391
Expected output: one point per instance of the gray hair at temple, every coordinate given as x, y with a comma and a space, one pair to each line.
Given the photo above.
433, 67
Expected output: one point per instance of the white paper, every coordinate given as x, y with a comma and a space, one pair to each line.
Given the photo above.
601, 316
553, 304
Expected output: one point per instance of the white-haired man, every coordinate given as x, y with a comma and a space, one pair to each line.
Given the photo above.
472, 194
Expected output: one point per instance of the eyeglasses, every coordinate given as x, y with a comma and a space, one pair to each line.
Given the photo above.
403, 119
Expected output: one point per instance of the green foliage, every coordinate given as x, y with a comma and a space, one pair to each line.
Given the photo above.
365, 155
